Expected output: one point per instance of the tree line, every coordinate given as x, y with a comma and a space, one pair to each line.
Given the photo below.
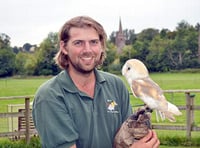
161, 51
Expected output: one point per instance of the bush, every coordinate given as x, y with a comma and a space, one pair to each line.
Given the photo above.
179, 141
34, 143
171, 141
188, 70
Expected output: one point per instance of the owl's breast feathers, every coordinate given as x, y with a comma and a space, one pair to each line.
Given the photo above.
146, 87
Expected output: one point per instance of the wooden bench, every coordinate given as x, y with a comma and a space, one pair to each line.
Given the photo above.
22, 123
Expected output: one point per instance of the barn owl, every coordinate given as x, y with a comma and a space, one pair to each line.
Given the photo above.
143, 87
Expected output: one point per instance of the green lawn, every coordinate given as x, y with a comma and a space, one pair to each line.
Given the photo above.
28, 86
20, 86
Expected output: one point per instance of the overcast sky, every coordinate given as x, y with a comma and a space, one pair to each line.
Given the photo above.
30, 21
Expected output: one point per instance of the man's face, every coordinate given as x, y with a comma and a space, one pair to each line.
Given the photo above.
83, 49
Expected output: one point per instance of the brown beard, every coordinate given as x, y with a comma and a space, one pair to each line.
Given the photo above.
80, 69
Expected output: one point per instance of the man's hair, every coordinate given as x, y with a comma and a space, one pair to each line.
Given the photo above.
79, 22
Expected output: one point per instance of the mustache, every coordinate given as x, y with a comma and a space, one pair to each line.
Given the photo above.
87, 54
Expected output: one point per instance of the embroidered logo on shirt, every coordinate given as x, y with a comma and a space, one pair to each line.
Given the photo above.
111, 106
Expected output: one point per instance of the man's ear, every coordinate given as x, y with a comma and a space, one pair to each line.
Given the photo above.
63, 47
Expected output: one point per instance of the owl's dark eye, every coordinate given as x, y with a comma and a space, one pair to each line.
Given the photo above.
128, 68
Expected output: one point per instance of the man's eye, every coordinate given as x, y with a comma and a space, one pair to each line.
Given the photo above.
94, 42
78, 43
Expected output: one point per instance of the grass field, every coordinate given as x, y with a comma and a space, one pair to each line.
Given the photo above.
20, 86
167, 81
28, 86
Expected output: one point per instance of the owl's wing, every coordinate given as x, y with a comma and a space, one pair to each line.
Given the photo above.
149, 92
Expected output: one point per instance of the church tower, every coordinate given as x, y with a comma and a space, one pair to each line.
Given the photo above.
120, 39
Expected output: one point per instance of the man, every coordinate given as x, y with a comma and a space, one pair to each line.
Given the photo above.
82, 107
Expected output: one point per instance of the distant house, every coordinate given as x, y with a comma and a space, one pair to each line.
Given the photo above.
29, 48
120, 38
33, 47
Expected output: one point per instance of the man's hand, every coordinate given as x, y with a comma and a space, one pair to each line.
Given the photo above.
133, 129
73, 146
149, 141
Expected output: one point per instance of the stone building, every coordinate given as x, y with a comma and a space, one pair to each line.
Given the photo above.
120, 38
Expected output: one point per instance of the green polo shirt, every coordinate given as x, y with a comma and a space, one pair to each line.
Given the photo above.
63, 115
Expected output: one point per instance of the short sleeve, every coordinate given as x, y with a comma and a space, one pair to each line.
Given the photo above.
53, 122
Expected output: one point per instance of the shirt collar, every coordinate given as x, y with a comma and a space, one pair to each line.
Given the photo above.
67, 83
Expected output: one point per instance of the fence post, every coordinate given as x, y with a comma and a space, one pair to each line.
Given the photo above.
27, 118
189, 114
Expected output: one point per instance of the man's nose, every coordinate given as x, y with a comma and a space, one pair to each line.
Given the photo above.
87, 46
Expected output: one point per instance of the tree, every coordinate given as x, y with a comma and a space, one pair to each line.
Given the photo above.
147, 34
184, 46
31, 63
130, 36
45, 59
143, 39
128, 53
7, 62
25, 63
156, 59
7, 57
4, 41
16, 49
20, 61
141, 48
112, 37
110, 56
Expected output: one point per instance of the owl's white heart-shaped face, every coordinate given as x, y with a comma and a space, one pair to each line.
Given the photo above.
134, 69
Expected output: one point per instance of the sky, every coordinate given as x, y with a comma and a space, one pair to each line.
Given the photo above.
30, 21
